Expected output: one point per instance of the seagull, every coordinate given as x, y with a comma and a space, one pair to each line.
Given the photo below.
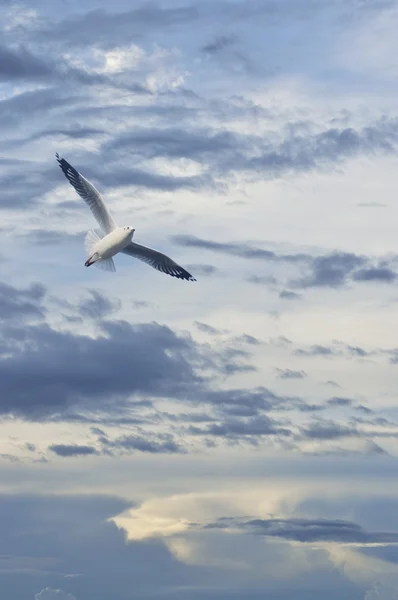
102, 246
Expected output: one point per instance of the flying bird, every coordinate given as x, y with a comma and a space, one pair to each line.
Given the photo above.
102, 246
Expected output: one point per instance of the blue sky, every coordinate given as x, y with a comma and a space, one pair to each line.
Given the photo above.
234, 437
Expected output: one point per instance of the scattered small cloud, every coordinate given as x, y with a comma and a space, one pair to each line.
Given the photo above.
67, 450
290, 374
337, 401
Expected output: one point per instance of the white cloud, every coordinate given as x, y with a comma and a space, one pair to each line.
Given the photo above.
51, 594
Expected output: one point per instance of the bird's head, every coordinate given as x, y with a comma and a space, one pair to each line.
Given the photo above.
129, 231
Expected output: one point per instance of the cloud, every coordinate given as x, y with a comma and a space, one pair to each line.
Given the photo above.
51, 539
127, 444
50, 594
19, 63
289, 295
337, 401
308, 530
328, 430
24, 183
143, 359
364, 409
206, 270
107, 376
98, 306
236, 249
331, 270
205, 328
375, 274
235, 429
289, 374
316, 350
332, 383
196, 144
98, 26
138, 304
218, 44
20, 304
66, 450
30, 447
357, 351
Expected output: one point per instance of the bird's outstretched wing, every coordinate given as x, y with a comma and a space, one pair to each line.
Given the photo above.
157, 260
90, 195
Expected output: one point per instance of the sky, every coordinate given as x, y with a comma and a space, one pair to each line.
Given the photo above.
233, 438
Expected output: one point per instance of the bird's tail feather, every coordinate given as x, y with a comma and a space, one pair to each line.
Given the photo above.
92, 238
105, 264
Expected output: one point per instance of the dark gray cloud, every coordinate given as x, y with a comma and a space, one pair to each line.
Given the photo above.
268, 280
63, 371
98, 306
321, 149
289, 295
253, 402
197, 144
41, 103
219, 43
76, 377
125, 361
99, 26
328, 430
30, 447
10, 457
357, 351
364, 409
289, 374
338, 348
332, 383
24, 183
206, 270
307, 530
375, 274
317, 350
394, 357
248, 339
19, 63
331, 270
237, 249
138, 304
19, 304
114, 176
227, 152
205, 328
337, 401
237, 429
162, 444
67, 450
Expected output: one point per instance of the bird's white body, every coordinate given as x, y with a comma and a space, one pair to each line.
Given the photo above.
111, 244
